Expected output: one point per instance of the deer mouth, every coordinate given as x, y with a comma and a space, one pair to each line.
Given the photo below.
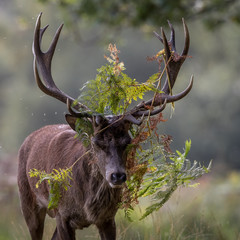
116, 185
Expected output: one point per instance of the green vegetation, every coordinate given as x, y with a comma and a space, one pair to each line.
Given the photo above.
57, 180
208, 212
166, 176
112, 91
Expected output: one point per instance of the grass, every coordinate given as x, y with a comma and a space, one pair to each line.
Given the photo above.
210, 211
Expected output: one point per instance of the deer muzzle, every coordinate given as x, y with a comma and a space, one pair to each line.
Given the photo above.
116, 179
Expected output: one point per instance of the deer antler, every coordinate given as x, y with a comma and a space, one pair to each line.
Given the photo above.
42, 64
173, 63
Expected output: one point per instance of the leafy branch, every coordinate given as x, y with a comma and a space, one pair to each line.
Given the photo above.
57, 180
112, 91
155, 171
167, 174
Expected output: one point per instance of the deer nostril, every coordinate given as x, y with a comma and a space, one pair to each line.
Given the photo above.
118, 178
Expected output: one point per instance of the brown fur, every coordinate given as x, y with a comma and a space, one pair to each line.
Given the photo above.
91, 199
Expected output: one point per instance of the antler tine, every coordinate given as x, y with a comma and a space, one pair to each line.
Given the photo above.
77, 114
172, 38
53, 44
150, 113
187, 39
166, 46
42, 32
180, 95
158, 36
42, 64
130, 118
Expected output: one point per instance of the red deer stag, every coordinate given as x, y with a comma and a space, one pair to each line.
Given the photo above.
95, 191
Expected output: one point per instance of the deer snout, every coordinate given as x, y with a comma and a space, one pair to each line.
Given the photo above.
118, 178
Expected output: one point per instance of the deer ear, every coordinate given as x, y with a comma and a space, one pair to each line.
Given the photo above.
71, 120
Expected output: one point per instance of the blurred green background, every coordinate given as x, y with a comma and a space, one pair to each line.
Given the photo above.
209, 115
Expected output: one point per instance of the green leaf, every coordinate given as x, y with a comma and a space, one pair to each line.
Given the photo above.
187, 147
57, 180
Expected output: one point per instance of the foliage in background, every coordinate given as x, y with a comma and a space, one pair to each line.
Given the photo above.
153, 169
133, 13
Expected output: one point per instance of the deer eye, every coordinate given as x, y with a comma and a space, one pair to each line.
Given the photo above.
123, 142
100, 143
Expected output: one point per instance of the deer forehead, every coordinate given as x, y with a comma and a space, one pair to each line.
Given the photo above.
112, 137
